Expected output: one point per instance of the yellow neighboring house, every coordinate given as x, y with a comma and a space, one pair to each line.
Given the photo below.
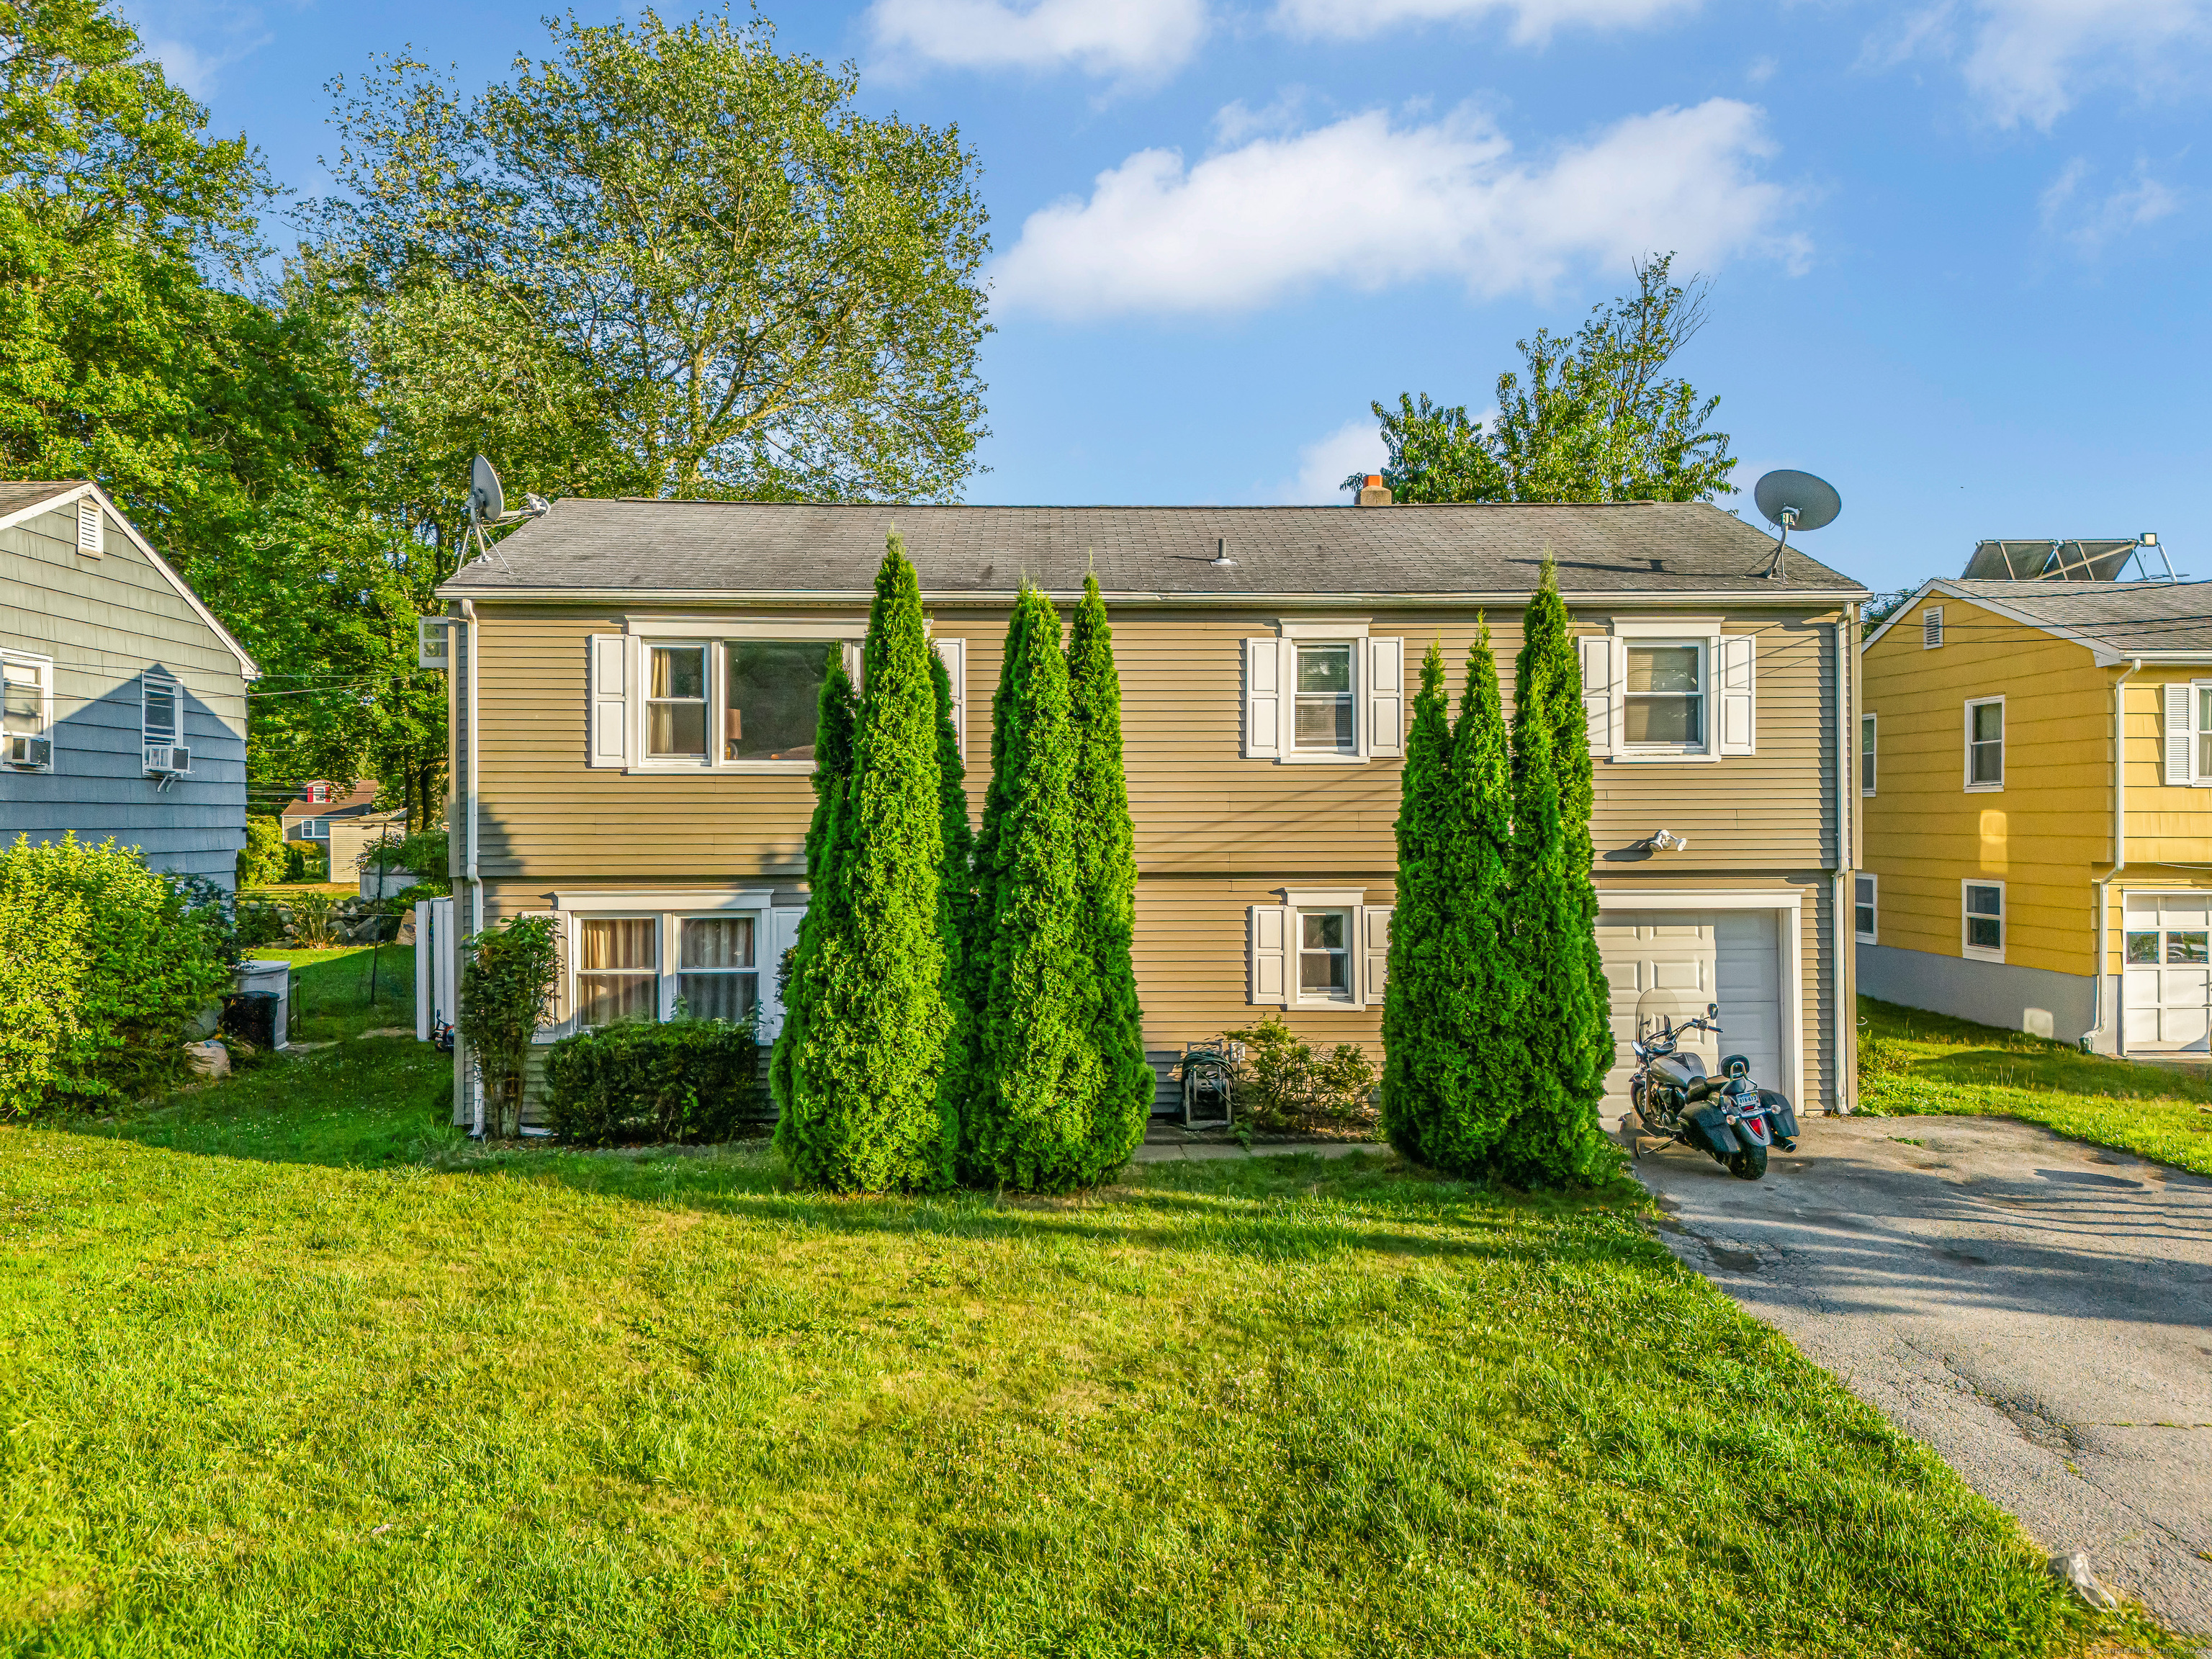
2036, 760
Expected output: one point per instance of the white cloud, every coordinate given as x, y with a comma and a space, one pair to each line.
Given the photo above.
1137, 38
2092, 221
2030, 61
1533, 20
1327, 461
1367, 205
195, 40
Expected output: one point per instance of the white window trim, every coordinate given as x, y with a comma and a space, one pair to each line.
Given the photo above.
1294, 756
1872, 935
44, 668
1353, 900
2198, 777
1869, 744
669, 910
573, 943
1966, 740
147, 680
673, 948
648, 632
1701, 631
1321, 632
1975, 953
1789, 906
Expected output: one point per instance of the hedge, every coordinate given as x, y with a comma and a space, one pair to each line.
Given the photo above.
687, 1080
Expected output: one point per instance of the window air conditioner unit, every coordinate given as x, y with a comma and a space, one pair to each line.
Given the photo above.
168, 759
30, 751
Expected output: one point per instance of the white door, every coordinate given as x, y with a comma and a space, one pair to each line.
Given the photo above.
2166, 986
1728, 956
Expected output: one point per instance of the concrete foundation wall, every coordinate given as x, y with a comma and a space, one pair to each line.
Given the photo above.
2000, 994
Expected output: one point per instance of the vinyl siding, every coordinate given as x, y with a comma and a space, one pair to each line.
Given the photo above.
104, 621
1216, 833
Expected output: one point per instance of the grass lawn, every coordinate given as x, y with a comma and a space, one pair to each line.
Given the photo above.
1954, 1066
286, 1368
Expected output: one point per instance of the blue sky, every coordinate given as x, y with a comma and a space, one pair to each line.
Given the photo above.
1953, 245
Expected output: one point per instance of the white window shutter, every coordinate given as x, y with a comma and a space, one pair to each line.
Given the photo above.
561, 1016
609, 700
954, 655
1270, 932
1375, 952
782, 935
2176, 733
1598, 702
1386, 697
1738, 727
1263, 701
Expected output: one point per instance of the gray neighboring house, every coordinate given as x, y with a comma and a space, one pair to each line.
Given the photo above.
125, 712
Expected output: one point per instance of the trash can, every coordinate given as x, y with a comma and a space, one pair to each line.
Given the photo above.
272, 980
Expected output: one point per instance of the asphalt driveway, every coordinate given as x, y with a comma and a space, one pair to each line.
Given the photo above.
2037, 1311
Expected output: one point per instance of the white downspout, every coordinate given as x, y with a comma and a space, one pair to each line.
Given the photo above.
476, 882
2119, 850
1844, 900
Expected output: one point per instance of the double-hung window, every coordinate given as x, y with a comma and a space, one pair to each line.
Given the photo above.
1982, 921
311, 829
1865, 754
617, 969
1862, 907
1325, 956
676, 702
1325, 693
1986, 742
717, 976
741, 694
1323, 948
27, 710
1665, 706
1324, 709
159, 705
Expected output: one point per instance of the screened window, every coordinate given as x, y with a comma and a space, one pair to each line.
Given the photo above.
1865, 754
617, 969
311, 829
1325, 956
159, 702
1862, 907
1985, 744
676, 702
1324, 698
1985, 906
23, 707
775, 693
1666, 698
717, 977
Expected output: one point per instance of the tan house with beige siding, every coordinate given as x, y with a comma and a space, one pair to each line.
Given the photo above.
2037, 769
633, 686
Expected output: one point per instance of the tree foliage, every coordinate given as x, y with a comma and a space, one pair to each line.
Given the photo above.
955, 901
837, 718
860, 1108
508, 975
1567, 1041
1106, 898
1028, 1119
1597, 418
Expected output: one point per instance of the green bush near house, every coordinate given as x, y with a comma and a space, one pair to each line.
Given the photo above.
1283, 1085
102, 964
695, 1080
305, 861
263, 857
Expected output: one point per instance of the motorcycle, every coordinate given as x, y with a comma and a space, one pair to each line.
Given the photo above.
1728, 1117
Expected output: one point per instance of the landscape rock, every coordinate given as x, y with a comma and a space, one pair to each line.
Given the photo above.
209, 1059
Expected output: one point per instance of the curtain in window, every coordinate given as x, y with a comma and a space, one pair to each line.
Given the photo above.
615, 977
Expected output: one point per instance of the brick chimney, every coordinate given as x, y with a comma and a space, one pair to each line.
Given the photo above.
1372, 492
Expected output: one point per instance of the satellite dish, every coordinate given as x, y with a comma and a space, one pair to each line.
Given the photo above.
1796, 501
488, 501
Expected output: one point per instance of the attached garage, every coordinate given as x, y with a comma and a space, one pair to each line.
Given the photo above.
1736, 949
2166, 990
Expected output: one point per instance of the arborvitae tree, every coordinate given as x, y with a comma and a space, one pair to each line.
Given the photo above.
1037, 1073
1419, 1058
863, 1111
837, 714
1106, 899
955, 899
1566, 1045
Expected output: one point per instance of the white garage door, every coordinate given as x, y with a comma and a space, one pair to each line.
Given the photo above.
1729, 957
2166, 985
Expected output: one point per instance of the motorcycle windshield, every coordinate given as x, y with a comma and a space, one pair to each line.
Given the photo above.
1659, 1008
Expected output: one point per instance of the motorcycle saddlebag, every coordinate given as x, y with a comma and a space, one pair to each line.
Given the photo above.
1708, 1131
1784, 1120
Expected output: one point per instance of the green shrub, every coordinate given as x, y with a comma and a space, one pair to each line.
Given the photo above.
305, 861
1880, 1056
314, 919
688, 1080
259, 924
507, 973
1281, 1084
263, 859
102, 964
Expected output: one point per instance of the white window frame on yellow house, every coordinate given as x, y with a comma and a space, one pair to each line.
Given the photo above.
1378, 693
1727, 689
1870, 745
1869, 884
775, 929
1274, 936
1967, 917
2186, 733
1972, 787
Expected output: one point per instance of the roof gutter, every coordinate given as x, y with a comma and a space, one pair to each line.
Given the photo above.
1578, 600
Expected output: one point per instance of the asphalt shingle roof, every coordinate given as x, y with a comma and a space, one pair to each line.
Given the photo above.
754, 548
2128, 615
16, 494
